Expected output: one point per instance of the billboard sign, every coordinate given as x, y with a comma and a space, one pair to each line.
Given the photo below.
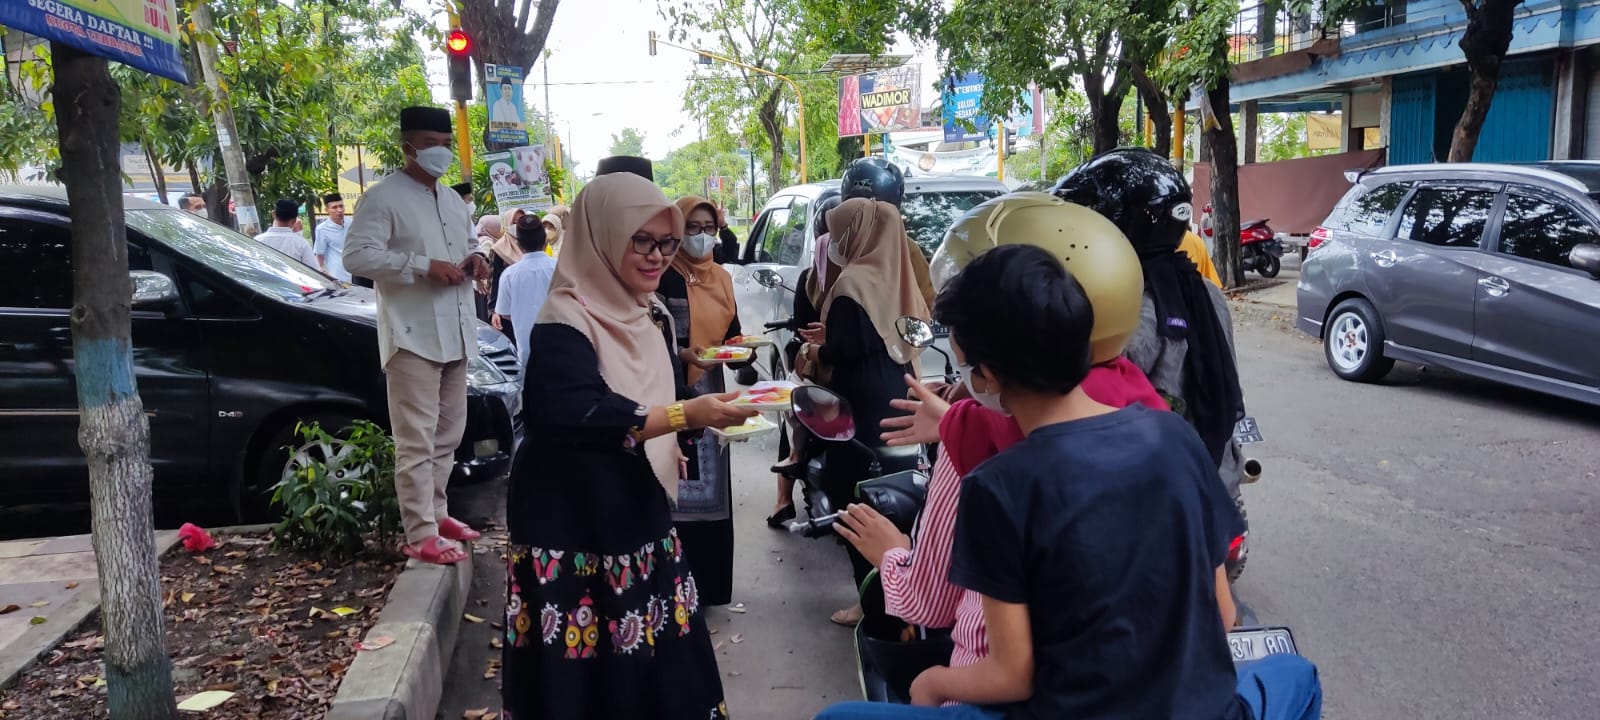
136, 33
885, 101
503, 93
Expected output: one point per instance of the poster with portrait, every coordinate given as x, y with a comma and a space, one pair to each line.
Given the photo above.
518, 178
503, 94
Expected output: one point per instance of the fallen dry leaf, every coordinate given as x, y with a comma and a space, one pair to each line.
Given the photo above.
37, 620
203, 701
7, 610
469, 617
72, 586
342, 611
375, 643
41, 603
187, 596
736, 639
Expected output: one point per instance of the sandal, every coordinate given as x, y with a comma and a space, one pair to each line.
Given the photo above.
436, 550
790, 468
453, 529
780, 519
848, 617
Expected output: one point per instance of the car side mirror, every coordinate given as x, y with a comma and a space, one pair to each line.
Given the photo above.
914, 332
823, 412
153, 291
769, 279
1586, 257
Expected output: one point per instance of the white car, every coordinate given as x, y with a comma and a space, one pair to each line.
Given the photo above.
783, 240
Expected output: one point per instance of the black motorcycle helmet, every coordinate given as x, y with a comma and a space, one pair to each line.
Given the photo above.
1139, 191
827, 200
876, 178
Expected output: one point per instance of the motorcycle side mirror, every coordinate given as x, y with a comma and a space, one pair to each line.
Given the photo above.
1586, 257
769, 279
823, 412
914, 332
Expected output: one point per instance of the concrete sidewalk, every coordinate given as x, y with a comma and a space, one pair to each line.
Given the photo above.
1279, 291
54, 584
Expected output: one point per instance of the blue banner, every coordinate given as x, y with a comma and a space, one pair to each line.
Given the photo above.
962, 105
503, 94
137, 33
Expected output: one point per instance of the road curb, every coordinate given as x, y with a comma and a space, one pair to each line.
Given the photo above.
405, 680
63, 621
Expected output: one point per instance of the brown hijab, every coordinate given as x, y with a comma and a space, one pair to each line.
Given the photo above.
587, 295
711, 307
878, 273
506, 245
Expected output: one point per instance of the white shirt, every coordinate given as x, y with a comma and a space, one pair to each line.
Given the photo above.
523, 289
505, 111
400, 229
330, 245
291, 243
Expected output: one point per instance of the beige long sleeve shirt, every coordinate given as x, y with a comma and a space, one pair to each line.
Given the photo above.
399, 228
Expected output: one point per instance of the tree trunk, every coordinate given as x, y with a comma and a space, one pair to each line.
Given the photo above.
1224, 187
194, 177
156, 173
1485, 42
113, 431
244, 197
502, 36
1156, 104
772, 126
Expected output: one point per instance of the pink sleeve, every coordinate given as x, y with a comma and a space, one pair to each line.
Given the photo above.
916, 586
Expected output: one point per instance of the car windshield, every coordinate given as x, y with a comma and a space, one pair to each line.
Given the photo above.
251, 263
929, 214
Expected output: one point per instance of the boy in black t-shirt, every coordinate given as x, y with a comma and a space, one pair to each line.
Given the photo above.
1096, 543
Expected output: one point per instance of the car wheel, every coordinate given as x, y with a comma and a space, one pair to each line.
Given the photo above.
255, 496
1353, 342
1273, 265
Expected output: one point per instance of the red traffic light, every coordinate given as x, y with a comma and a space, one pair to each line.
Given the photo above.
458, 43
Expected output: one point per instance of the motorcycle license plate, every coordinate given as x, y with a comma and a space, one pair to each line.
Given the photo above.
1256, 643
1247, 431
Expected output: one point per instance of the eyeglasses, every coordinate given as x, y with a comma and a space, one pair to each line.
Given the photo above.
695, 228
667, 246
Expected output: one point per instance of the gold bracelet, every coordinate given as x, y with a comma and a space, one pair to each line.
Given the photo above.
675, 418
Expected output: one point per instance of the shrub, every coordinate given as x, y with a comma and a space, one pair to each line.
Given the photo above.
337, 489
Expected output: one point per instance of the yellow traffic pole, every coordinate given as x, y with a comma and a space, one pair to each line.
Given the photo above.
463, 128
1178, 150
1002, 145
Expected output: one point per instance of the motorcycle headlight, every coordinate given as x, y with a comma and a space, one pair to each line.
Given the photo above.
481, 372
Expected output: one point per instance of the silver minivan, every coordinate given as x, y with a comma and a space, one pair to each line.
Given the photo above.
1488, 270
783, 239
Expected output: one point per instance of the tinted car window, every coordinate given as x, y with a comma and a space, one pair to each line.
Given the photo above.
1369, 212
246, 261
928, 215
794, 234
1543, 230
772, 232
1446, 216
36, 264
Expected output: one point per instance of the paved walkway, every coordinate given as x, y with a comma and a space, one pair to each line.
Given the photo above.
53, 583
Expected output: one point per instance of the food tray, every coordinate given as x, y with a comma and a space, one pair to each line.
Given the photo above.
751, 341
753, 428
769, 396
725, 354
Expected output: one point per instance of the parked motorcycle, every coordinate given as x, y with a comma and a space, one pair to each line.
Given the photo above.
1260, 250
827, 417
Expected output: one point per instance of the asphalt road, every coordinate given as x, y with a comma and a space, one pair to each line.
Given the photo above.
1432, 541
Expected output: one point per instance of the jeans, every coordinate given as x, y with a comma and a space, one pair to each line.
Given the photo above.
888, 711
1278, 687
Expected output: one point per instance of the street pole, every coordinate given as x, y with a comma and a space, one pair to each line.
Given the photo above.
547, 100
244, 198
1001, 146
754, 204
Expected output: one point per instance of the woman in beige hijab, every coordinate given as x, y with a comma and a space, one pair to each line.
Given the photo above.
865, 358
552, 230
603, 616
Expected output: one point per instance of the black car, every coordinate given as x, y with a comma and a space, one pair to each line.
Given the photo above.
234, 343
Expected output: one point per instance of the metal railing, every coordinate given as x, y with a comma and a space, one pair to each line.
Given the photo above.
1262, 31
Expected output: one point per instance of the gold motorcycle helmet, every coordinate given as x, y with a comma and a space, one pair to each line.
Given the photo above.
1089, 245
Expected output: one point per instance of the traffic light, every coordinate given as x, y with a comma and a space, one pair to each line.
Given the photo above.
458, 48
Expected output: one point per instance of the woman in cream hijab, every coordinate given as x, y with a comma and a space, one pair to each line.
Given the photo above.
603, 616
865, 359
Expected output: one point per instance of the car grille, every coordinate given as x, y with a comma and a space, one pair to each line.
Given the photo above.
506, 360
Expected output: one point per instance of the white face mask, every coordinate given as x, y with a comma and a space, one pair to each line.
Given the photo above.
990, 400
699, 246
435, 161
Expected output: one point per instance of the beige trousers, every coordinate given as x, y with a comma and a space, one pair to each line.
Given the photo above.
428, 409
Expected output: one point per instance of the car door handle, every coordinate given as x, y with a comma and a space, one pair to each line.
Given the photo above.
1494, 285
1386, 258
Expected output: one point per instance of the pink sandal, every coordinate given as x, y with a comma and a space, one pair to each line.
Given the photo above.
454, 529
436, 550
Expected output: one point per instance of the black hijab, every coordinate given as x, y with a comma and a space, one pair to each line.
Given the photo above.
1146, 198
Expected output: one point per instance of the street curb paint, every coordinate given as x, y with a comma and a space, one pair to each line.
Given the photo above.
405, 680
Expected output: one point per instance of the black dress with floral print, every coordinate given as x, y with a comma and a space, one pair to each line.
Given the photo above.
602, 614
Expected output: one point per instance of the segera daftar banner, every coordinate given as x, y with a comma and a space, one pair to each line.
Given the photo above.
137, 33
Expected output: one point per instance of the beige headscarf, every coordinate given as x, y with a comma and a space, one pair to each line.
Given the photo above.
506, 245
711, 307
878, 272
587, 295
552, 232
